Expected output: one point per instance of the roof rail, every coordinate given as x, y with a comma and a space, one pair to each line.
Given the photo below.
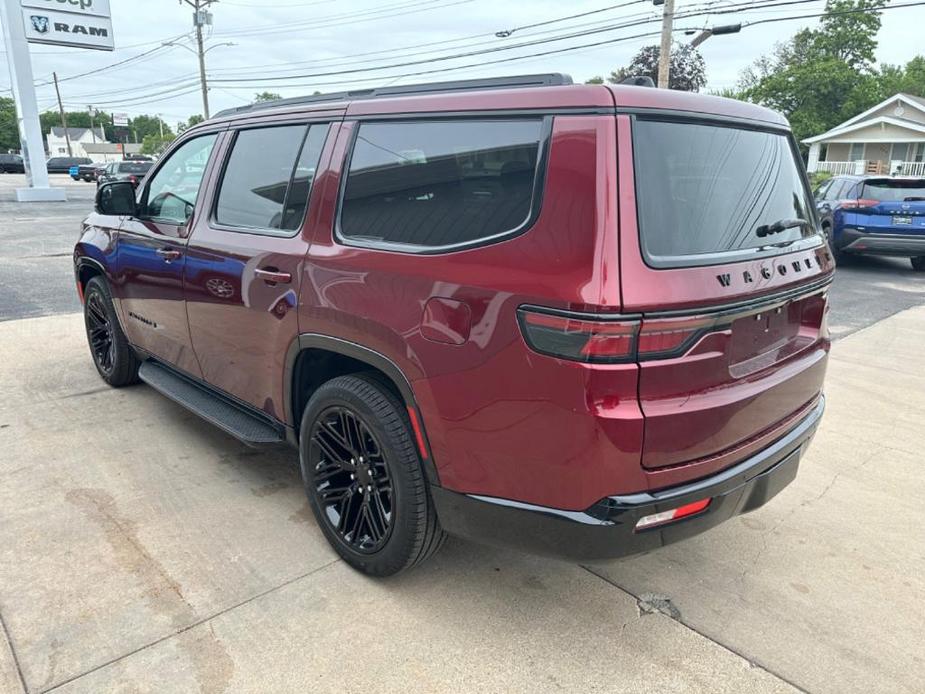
541, 80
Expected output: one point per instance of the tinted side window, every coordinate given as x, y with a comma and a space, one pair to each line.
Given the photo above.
440, 183
255, 190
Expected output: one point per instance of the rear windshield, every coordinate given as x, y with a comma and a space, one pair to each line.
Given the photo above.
894, 190
706, 190
134, 167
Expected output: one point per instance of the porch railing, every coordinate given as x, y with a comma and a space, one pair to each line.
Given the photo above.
836, 168
903, 168
912, 168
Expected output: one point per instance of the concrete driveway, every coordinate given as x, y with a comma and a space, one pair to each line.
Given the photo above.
142, 550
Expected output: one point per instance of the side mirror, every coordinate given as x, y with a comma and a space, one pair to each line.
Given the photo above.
116, 198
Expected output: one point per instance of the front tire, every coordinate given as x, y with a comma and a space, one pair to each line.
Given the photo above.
364, 479
837, 255
918, 263
112, 355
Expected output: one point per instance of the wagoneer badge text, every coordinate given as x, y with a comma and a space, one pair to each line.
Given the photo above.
767, 271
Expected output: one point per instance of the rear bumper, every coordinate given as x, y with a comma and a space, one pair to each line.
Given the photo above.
904, 245
606, 530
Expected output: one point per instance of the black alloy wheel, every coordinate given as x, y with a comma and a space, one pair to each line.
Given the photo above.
364, 478
113, 357
99, 333
351, 481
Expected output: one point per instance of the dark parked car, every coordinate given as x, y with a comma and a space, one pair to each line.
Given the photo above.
64, 164
132, 171
86, 172
582, 320
874, 215
11, 163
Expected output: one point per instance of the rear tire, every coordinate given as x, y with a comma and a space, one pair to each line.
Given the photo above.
364, 479
918, 263
113, 357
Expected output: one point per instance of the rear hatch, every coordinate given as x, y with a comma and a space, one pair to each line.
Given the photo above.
888, 206
720, 254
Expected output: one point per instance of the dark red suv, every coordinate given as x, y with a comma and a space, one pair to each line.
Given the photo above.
585, 321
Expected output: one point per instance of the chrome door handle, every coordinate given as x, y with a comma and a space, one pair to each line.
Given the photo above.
168, 254
273, 276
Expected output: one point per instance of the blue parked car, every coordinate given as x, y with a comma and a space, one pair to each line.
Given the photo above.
874, 215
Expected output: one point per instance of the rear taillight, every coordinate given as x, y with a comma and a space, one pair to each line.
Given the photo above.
133, 180
671, 337
581, 337
675, 514
859, 204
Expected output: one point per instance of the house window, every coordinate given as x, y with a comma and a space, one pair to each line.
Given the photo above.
857, 151
900, 150
919, 152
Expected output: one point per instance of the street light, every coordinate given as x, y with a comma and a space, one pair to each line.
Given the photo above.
201, 55
716, 31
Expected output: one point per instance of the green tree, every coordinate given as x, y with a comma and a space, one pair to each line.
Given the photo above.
9, 130
154, 143
193, 120
144, 125
597, 79
266, 96
686, 72
75, 119
821, 77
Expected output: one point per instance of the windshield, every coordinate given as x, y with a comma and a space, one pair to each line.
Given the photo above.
893, 190
703, 190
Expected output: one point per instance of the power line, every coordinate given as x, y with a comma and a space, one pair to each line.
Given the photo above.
742, 7
347, 18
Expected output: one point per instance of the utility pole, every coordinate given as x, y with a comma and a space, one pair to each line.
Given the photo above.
67, 137
160, 124
200, 17
664, 51
92, 111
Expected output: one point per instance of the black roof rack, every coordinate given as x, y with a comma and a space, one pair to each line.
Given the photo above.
542, 80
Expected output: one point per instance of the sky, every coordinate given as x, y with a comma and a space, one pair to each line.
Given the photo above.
274, 38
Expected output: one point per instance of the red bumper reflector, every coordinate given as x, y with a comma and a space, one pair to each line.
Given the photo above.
80, 292
674, 514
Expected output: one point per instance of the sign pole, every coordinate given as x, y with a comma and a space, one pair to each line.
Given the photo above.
27, 110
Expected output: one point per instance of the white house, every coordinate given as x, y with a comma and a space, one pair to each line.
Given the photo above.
886, 139
57, 144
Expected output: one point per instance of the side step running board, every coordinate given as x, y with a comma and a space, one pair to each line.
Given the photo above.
232, 418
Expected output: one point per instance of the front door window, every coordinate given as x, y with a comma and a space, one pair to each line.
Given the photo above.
170, 196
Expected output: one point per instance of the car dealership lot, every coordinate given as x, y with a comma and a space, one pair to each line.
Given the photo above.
143, 550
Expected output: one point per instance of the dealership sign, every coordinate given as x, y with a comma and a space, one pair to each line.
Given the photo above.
77, 23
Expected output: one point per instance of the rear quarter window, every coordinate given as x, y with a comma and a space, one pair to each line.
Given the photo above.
705, 191
432, 185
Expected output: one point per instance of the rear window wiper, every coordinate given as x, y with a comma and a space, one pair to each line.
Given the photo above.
779, 226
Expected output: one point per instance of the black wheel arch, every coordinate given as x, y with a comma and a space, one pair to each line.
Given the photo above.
336, 357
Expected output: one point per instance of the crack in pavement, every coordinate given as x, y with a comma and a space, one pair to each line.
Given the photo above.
188, 627
9, 641
649, 603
